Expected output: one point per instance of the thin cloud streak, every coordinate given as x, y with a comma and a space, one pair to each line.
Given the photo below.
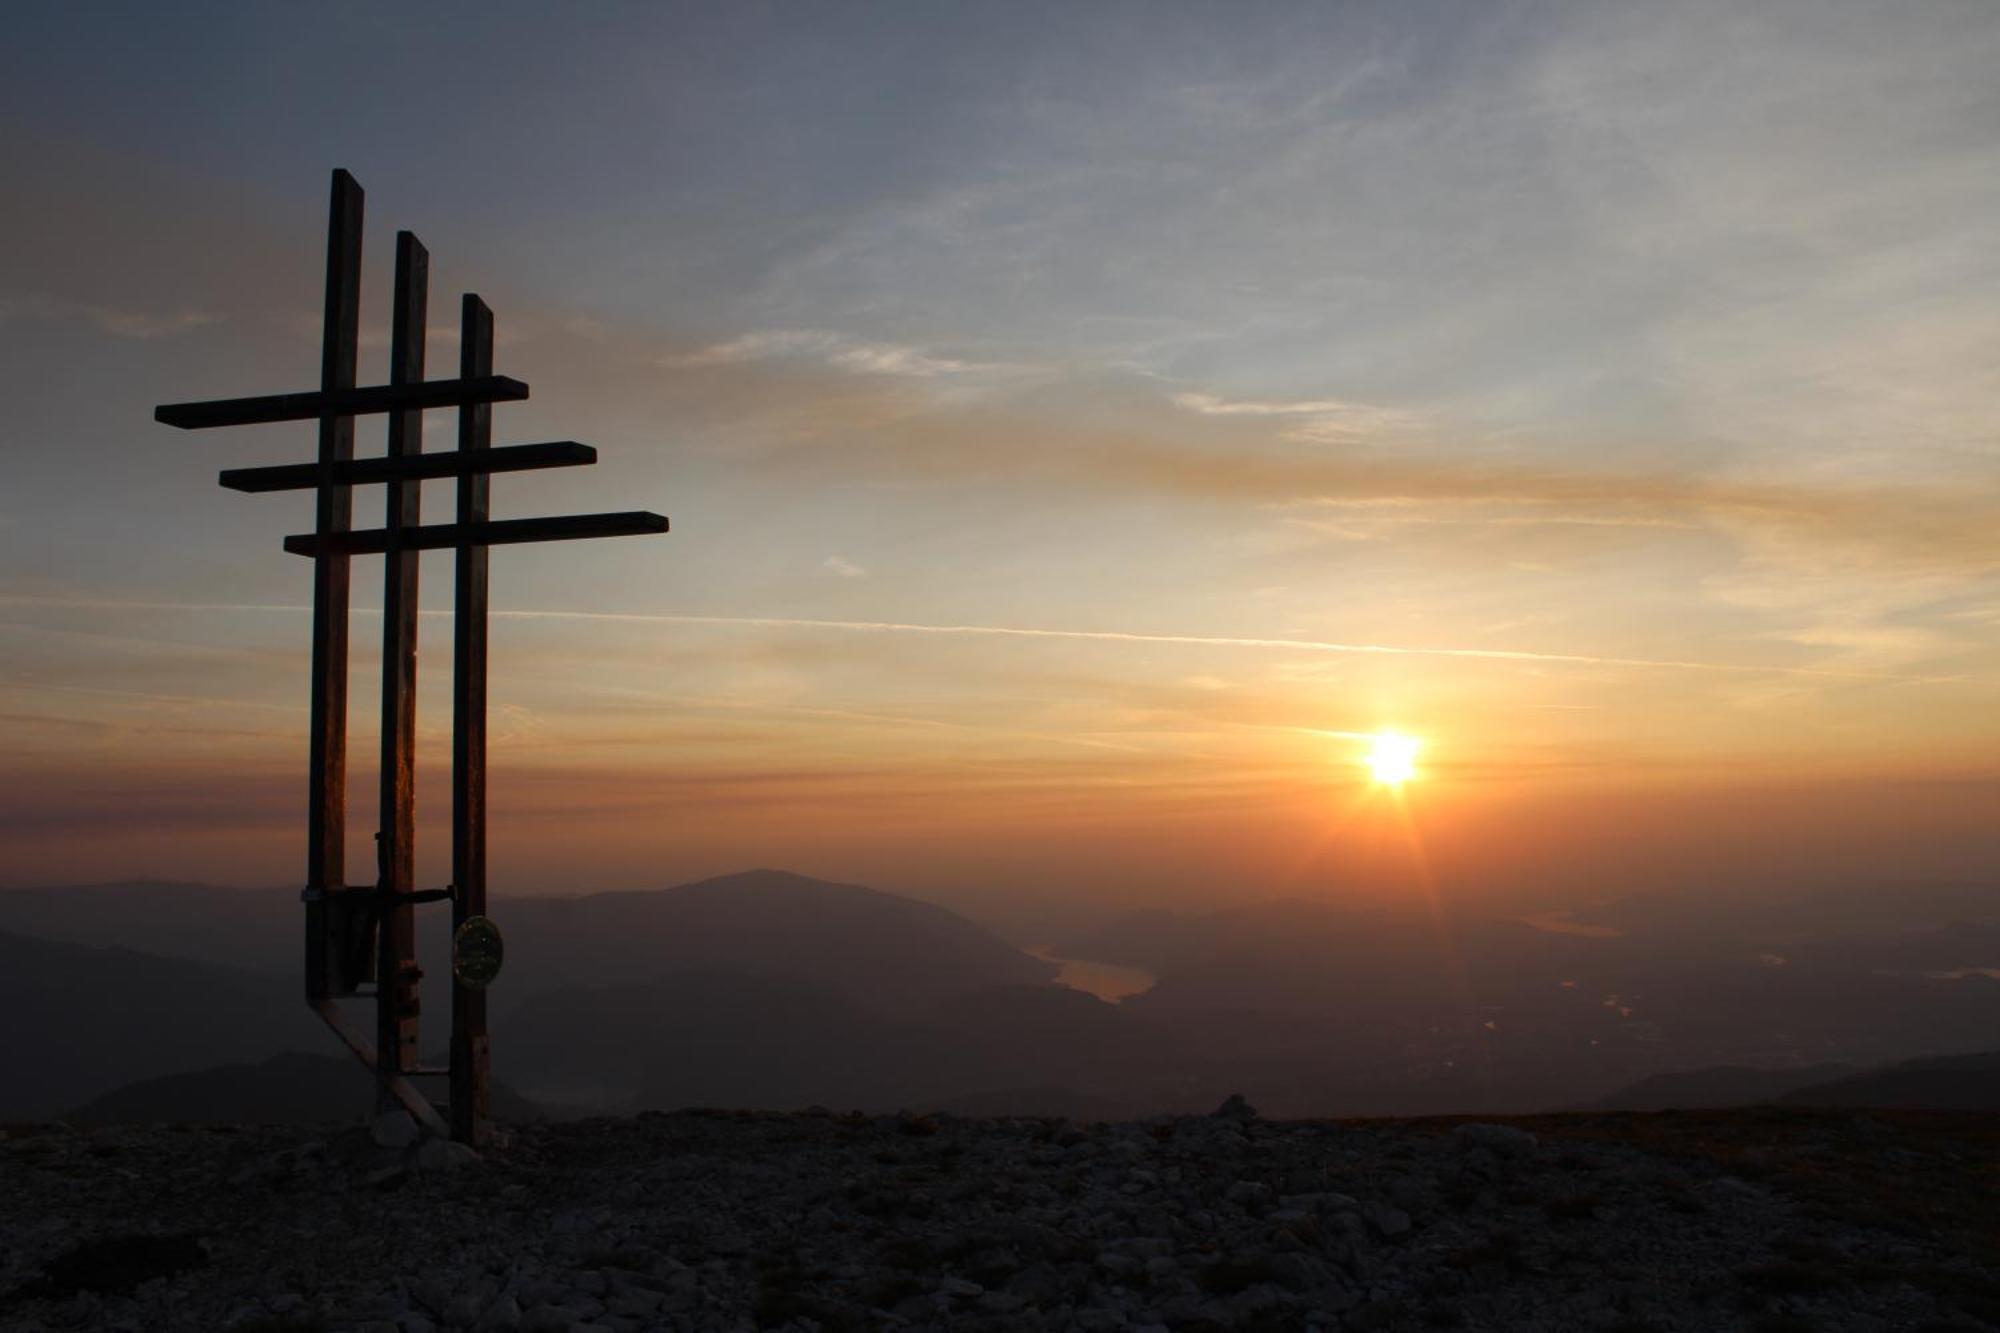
1129, 443
1211, 405
1078, 635
877, 719
152, 696
1209, 641
833, 349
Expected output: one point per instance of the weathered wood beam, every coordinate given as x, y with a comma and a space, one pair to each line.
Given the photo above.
398, 993
350, 401
398, 1087
498, 532
471, 1057
326, 781
423, 467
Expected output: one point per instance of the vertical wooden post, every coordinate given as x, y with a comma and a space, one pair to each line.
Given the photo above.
397, 996
470, 1057
326, 783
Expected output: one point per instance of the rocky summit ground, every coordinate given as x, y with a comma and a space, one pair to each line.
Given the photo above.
1762, 1220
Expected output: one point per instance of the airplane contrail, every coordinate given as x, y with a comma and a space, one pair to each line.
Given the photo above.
1216, 641
1033, 632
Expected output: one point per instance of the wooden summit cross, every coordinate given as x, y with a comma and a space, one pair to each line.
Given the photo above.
361, 933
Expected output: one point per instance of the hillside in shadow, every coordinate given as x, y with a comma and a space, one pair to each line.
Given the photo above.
770, 989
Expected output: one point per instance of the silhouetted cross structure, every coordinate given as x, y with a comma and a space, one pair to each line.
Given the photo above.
361, 933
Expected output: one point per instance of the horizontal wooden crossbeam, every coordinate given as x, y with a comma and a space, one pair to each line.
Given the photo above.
341, 402
417, 467
498, 532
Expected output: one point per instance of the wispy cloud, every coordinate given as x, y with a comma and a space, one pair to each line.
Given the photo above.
833, 349
1209, 405
1343, 516
765, 707
842, 568
118, 321
146, 324
888, 359
152, 697
1310, 420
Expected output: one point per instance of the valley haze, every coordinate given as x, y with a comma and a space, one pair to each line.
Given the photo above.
774, 990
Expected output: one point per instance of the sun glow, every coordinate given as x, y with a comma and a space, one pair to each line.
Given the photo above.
1392, 757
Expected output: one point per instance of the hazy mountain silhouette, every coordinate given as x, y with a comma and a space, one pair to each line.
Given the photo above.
1313, 1007
876, 947
1774, 917
1932, 1083
291, 1088
1317, 1007
1293, 955
892, 948
711, 1037
1151, 938
1935, 1083
1722, 1085
742, 983
82, 1021
257, 930
776, 990
1954, 946
736, 1039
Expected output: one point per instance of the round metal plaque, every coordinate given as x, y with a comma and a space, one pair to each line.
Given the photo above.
476, 952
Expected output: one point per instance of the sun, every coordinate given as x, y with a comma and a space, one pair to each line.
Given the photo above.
1392, 757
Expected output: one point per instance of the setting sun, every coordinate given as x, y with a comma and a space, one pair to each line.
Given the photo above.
1392, 757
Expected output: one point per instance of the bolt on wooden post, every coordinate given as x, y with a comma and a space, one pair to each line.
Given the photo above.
361, 938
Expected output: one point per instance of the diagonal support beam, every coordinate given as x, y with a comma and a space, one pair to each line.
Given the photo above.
398, 1087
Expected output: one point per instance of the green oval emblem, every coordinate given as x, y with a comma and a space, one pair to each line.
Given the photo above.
476, 952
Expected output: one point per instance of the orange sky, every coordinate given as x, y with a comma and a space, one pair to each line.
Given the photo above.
1075, 434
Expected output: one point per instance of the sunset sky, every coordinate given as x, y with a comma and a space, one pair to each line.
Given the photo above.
1081, 425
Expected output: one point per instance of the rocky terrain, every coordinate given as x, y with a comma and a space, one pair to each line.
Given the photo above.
1765, 1220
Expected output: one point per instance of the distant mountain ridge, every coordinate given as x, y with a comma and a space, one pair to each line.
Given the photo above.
882, 946
1774, 919
879, 948
1929, 1083
1716, 1087
776, 990
756, 988
708, 1037
258, 930
80, 1021
1933, 1083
